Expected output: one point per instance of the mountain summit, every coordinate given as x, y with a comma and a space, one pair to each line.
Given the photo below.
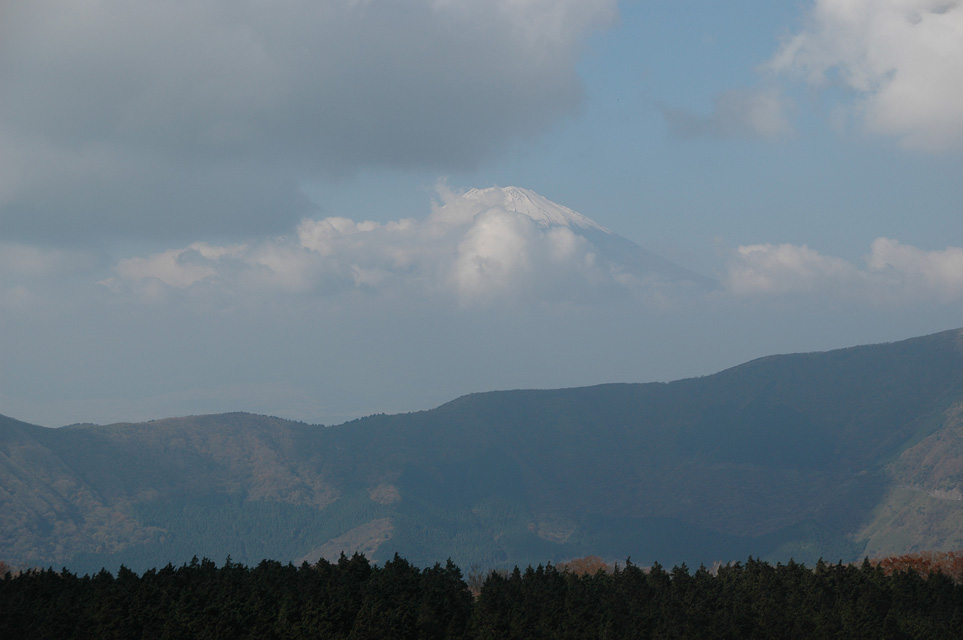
622, 257
539, 208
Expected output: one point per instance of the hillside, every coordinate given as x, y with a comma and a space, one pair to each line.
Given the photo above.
830, 454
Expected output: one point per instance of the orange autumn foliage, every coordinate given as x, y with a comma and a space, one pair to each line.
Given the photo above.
589, 565
949, 563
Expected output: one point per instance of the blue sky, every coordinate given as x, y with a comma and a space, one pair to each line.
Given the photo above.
215, 206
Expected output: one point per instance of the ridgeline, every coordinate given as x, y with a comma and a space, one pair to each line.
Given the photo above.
831, 455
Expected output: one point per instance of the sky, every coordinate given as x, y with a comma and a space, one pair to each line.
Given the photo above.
232, 205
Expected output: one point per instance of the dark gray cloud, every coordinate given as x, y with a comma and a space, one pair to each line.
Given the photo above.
176, 118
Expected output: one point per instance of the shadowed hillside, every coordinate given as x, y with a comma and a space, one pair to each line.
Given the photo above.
825, 454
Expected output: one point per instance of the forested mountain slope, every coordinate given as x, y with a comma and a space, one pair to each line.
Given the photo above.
824, 454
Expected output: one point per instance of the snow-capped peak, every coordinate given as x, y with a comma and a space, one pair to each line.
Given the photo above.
540, 209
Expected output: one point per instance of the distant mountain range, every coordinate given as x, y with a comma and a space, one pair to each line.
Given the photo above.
837, 455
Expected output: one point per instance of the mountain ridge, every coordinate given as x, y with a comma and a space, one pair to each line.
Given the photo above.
800, 455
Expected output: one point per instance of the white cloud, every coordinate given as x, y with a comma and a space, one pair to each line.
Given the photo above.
902, 58
912, 269
178, 268
494, 254
509, 246
784, 268
469, 250
738, 113
893, 272
183, 117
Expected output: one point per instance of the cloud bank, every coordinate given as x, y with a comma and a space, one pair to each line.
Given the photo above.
167, 118
893, 273
474, 248
900, 60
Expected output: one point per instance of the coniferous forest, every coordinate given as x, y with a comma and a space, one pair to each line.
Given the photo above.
352, 598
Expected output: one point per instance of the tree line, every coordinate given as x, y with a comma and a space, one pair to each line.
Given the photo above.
353, 599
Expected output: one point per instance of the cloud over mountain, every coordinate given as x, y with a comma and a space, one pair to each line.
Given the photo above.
504, 245
480, 248
477, 247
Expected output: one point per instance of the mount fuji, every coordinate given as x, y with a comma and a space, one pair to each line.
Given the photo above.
618, 253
